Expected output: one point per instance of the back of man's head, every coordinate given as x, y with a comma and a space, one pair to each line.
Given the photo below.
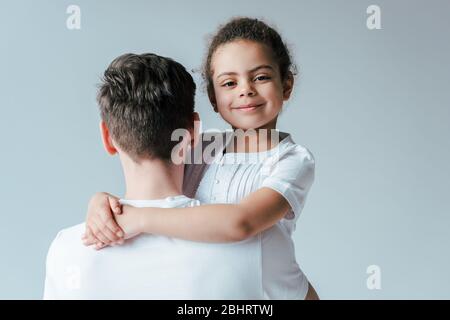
143, 98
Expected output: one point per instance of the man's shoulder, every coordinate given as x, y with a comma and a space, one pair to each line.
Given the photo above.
66, 242
69, 234
72, 230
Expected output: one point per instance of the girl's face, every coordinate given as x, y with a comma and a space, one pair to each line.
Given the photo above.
248, 91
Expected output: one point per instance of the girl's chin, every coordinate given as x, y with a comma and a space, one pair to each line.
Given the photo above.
247, 125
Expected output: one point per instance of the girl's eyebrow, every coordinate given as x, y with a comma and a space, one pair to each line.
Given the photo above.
264, 66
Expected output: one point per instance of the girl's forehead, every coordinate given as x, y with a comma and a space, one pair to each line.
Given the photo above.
241, 56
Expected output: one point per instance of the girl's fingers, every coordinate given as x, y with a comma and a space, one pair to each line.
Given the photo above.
108, 221
100, 232
100, 245
106, 231
115, 205
88, 237
115, 229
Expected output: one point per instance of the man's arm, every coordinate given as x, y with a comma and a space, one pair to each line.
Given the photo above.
209, 223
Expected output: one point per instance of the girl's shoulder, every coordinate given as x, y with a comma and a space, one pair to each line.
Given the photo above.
289, 148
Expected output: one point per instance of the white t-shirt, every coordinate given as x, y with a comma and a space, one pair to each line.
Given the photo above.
288, 169
151, 266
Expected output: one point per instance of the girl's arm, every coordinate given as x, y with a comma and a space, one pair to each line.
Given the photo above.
209, 223
258, 211
206, 223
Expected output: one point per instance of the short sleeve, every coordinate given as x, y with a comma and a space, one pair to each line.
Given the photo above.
291, 173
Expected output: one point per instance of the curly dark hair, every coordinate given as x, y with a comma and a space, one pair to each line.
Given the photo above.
244, 28
143, 98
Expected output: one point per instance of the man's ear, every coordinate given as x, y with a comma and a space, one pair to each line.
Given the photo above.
106, 139
288, 85
195, 130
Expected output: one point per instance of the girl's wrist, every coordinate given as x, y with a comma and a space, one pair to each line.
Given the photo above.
141, 221
139, 216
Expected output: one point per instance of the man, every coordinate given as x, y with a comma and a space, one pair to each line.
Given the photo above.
143, 99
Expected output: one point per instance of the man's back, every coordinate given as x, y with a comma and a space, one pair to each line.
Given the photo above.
152, 266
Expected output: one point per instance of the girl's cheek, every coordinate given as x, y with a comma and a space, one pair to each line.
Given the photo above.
223, 101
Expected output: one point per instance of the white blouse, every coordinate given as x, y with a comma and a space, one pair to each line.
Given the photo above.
288, 169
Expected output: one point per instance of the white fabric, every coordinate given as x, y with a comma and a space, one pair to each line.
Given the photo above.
288, 169
152, 267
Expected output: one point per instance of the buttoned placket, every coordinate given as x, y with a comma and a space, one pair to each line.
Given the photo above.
221, 181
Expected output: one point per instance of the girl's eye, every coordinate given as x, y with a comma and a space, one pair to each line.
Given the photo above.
228, 84
262, 78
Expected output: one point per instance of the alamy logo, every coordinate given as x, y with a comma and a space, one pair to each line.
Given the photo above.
374, 19
213, 142
374, 280
73, 21
73, 277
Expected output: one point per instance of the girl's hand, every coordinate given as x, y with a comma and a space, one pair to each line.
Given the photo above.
130, 221
101, 227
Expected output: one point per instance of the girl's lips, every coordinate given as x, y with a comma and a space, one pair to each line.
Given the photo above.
248, 108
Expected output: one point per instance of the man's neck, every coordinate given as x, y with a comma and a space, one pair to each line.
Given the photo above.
151, 179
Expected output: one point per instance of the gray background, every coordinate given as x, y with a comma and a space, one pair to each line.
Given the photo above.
372, 106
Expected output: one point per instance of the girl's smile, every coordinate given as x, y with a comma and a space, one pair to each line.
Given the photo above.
249, 107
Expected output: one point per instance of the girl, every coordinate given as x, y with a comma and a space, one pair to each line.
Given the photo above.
257, 186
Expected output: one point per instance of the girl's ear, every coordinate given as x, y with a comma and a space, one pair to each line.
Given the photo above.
212, 99
288, 85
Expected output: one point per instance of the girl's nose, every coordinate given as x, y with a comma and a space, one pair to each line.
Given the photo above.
247, 90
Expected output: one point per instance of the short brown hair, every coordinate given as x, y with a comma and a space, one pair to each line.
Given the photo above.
143, 98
